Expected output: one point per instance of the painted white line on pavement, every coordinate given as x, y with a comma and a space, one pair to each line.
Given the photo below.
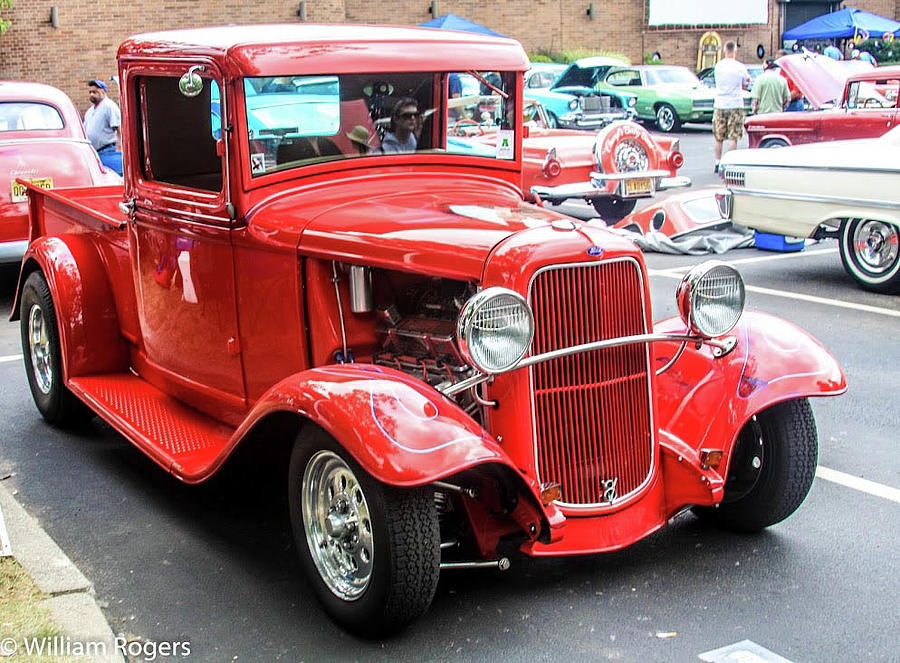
745, 261
862, 485
5, 547
806, 298
9, 358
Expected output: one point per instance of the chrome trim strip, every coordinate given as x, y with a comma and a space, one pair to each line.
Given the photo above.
654, 460
841, 169
810, 198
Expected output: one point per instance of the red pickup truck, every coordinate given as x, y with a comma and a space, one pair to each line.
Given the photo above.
302, 259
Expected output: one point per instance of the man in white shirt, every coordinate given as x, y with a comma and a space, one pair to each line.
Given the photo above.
732, 78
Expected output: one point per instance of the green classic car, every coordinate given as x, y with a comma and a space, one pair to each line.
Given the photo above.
667, 95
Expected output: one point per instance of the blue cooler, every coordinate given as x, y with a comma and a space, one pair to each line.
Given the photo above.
767, 242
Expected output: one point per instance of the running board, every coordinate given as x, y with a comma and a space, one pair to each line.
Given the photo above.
184, 441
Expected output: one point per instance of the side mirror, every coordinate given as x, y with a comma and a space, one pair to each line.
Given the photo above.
191, 84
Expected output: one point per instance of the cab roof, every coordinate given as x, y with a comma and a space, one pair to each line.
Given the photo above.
272, 50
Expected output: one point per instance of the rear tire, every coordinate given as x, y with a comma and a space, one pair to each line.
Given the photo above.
870, 253
43, 356
371, 551
612, 210
771, 469
667, 119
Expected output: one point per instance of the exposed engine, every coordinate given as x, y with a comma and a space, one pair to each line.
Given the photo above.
416, 329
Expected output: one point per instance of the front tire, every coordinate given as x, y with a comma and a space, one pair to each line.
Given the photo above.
43, 356
772, 143
771, 470
552, 121
371, 551
667, 119
612, 210
870, 253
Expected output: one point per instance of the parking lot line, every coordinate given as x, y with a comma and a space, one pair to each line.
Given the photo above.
746, 261
800, 296
862, 485
9, 358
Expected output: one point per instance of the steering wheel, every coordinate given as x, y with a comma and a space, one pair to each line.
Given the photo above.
872, 102
457, 128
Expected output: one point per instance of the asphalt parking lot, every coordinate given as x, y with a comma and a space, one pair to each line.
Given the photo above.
214, 564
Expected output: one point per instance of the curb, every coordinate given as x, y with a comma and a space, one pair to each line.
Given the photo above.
71, 601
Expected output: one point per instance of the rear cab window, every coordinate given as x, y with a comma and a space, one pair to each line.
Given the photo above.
29, 116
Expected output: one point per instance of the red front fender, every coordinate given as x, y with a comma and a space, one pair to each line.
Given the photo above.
398, 428
706, 401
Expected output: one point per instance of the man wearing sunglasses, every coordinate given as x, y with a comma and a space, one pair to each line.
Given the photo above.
406, 125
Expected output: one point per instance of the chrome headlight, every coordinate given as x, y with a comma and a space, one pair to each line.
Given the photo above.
494, 330
573, 104
632, 101
710, 299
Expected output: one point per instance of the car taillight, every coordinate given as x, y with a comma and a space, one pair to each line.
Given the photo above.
676, 160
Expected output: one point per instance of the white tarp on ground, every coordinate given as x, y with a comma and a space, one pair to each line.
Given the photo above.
715, 238
708, 12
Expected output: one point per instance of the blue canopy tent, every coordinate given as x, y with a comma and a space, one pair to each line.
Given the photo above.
454, 22
844, 23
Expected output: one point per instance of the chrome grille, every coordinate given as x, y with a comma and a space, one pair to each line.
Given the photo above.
734, 177
592, 411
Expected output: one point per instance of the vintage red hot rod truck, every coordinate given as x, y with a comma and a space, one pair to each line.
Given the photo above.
452, 370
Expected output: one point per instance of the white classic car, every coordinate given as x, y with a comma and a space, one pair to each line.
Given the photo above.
848, 190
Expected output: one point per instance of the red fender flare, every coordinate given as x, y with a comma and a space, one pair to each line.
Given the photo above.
703, 402
85, 308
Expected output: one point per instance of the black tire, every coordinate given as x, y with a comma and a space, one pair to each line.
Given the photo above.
43, 356
612, 210
552, 120
405, 538
870, 254
667, 119
761, 493
771, 143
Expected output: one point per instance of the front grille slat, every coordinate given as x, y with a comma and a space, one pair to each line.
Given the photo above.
592, 410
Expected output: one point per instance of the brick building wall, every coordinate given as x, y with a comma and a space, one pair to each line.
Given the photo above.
84, 44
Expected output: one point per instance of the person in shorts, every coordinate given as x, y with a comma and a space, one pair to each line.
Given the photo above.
732, 78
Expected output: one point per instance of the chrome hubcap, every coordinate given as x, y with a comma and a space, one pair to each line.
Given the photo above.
877, 245
630, 156
664, 119
39, 342
338, 526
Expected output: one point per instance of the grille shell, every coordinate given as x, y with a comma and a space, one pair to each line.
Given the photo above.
582, 303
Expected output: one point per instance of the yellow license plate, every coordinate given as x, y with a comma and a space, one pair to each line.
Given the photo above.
20, 192
638, 186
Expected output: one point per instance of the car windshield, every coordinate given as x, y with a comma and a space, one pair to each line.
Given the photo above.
295, 120
661, 75
29, 116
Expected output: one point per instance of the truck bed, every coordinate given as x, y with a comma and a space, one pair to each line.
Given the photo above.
93, 206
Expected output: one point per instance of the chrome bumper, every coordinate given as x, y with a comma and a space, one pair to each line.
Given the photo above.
12, 252
593, 120
596, 188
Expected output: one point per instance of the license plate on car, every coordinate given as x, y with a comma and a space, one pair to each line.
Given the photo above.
20, 192
638, 186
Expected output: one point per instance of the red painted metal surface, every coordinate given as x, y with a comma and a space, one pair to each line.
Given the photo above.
597, 451
838, 123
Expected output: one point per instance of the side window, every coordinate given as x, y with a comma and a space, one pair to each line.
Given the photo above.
624, 78
178, 145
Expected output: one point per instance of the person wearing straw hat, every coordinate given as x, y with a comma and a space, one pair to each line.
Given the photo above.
359, 136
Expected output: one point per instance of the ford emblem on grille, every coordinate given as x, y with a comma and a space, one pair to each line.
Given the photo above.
595, 251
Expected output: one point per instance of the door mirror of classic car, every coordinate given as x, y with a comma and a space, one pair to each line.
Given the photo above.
318, 248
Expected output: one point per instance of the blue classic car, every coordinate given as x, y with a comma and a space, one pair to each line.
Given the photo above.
573, 102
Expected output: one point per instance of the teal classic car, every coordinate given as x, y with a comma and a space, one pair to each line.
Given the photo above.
573, 101
667, 95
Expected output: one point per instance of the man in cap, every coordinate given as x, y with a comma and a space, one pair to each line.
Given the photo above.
102, 123
770, 91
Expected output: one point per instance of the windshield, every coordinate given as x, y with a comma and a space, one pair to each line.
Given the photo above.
295, 120
29, 116
661, 75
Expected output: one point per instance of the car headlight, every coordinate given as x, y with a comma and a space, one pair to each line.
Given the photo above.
710, 299
632, 101
494, 330
573, 104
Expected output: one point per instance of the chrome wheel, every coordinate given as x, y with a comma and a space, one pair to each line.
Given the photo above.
338, 525
40, 349
876, 245
666, 119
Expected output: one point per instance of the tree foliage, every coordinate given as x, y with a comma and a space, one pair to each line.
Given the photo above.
4, 23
